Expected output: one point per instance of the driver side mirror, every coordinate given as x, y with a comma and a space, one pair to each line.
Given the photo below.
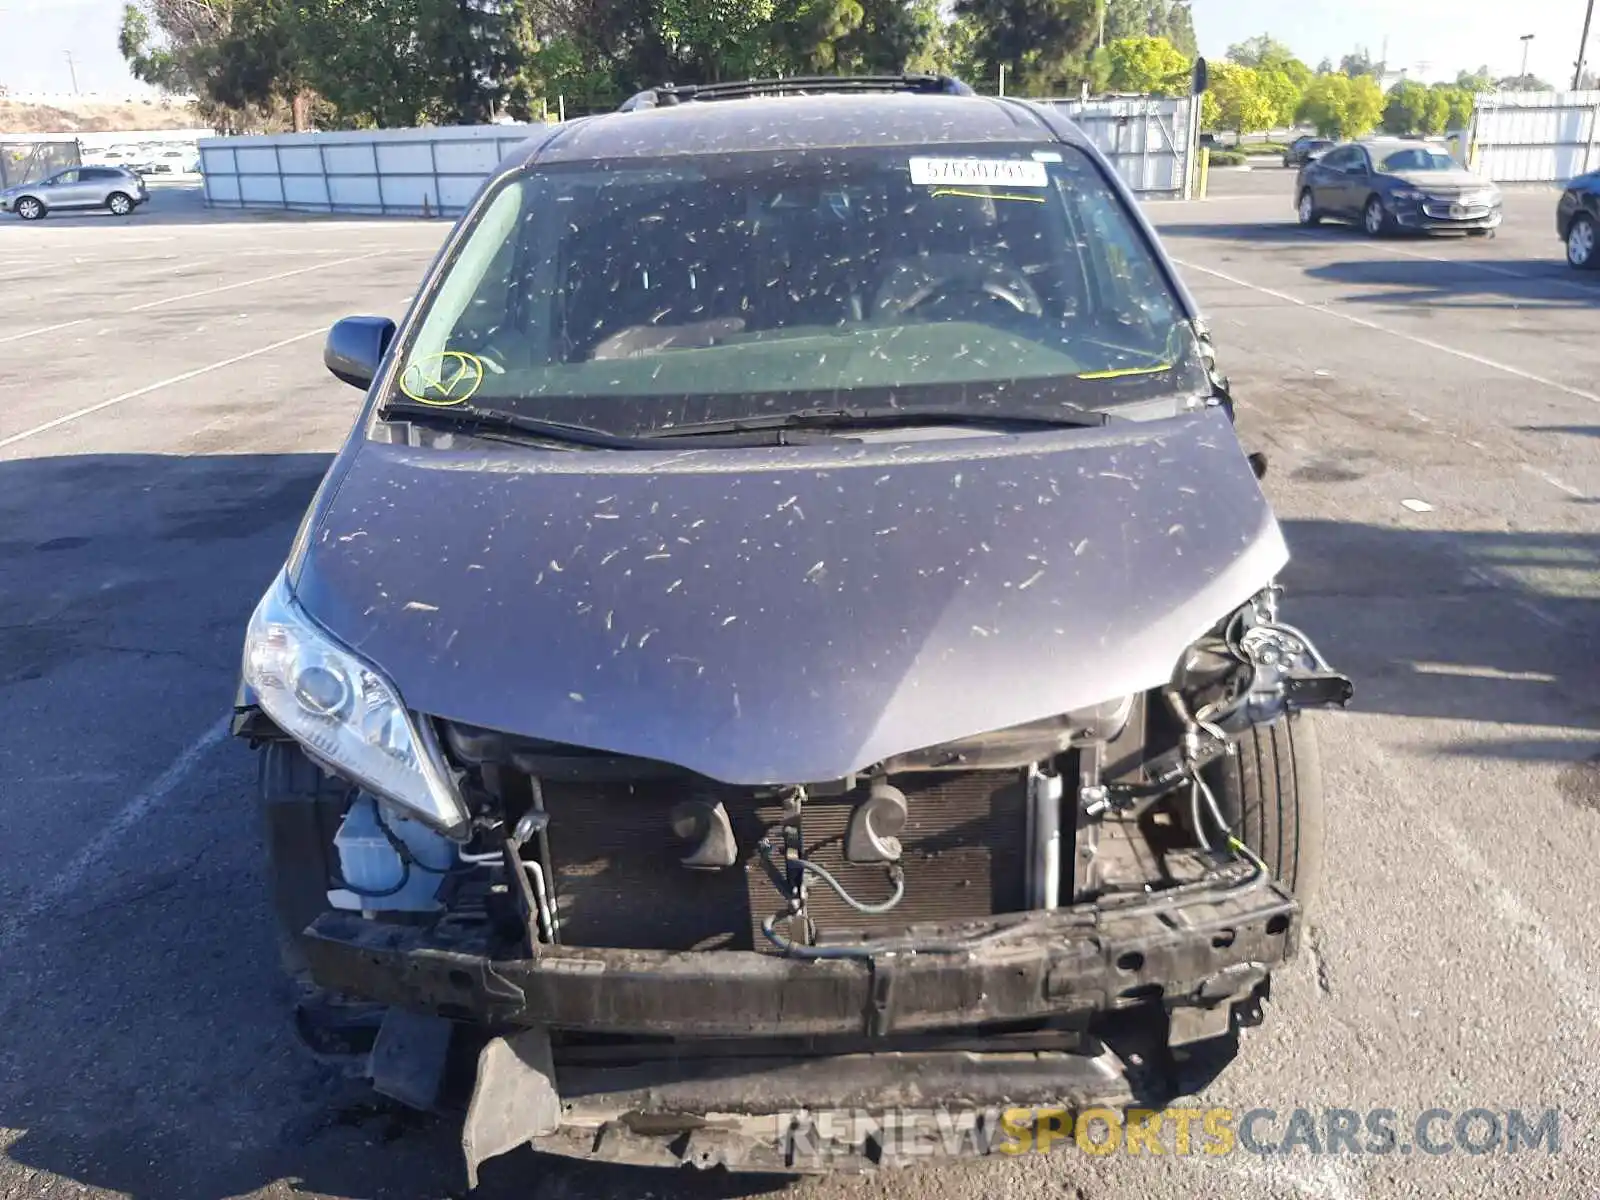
355, 347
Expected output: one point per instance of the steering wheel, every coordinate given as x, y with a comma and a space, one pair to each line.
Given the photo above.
924, 285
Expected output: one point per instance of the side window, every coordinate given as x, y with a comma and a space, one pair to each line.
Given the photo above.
1122, 274
67, 177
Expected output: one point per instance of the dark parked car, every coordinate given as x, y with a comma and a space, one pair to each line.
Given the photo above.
1578, 220
792, 629
1303, 149
1389, 186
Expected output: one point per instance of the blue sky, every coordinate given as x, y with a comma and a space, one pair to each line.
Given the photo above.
1447, 35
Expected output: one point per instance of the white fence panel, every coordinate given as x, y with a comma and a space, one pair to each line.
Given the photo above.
389, 171
1147, 138
411, 171
1535, 137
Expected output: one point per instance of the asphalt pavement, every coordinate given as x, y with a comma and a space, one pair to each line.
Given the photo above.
1431, 413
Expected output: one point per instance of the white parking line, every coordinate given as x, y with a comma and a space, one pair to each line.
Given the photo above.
28, 333
90, 859
1576, 493
157, 386
229, 287
1492, 364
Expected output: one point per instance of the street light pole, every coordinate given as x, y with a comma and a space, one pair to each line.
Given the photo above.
1527, 38
72, 69
1583, 45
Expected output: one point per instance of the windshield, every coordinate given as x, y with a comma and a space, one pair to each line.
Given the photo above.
1420, 160
635, 295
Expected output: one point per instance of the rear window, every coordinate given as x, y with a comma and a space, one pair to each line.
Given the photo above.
636, 293
1420, 159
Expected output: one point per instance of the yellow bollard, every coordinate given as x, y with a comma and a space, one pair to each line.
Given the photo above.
1205, 171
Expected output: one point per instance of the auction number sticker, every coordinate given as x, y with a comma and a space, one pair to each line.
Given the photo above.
977, 172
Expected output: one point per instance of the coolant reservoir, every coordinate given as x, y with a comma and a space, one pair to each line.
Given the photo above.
369, 865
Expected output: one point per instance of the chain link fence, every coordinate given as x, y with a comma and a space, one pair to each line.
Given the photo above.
27, 162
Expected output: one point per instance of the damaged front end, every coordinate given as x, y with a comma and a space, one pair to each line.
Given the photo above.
656, 967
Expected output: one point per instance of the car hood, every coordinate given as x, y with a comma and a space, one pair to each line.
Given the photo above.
788, 614
1436, 180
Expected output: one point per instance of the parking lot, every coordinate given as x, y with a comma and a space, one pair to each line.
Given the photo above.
1431, 412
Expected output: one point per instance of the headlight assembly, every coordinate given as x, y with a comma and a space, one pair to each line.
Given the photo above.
344, 712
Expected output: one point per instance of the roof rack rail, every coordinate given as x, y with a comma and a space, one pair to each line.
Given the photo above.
670, 94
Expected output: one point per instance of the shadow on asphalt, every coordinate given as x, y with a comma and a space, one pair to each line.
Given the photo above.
1572, 430
1492, 627
1464, 282
151, 1052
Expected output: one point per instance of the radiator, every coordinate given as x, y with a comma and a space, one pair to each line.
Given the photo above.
618, 881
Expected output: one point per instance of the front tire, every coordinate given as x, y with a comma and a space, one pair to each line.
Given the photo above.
1582, 236
30, 209
1307, 210
119, 204
1270, 791
1374, 219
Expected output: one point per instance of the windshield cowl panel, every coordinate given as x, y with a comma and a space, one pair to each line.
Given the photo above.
637, 295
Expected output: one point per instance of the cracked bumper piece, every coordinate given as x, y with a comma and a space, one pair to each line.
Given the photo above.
711, 1055
1179, 946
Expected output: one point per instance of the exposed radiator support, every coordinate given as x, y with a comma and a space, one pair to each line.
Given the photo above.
1044, 839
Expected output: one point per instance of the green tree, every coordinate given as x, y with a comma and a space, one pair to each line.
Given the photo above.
1524, 83
1436, 114
807, 34
1462, 104
1341, 107
1147, 64
1263, 50
1359, 63
1406, 108
1170, 19
1180, 28
1236, 100
893, 36
1041, 43
1481, 80
722, 37
1282, 94
237, 56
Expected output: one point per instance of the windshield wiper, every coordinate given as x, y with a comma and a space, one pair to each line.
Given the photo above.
497, 421
888, 418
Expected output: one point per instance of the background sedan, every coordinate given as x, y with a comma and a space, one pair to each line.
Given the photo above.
1389, 185
1578, 221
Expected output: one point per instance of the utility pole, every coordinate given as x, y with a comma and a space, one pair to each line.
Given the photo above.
72, 69
1527, 40
1583, 46
1103, 4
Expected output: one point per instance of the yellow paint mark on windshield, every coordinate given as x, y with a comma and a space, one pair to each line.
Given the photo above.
1121, 372
442, 380
976, 195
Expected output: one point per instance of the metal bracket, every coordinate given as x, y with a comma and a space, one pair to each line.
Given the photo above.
880, 1004
408, 1058
1086, 829
515, 1099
